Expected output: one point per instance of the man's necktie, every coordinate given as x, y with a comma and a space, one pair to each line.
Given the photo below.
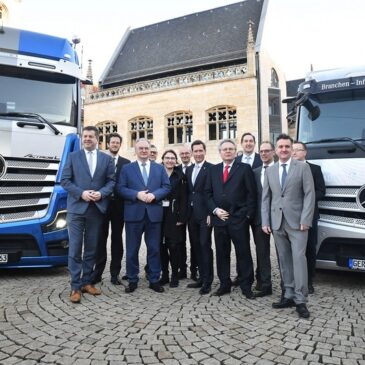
90, 162
115, 163
283, 175
225, 173
195, 173
263, 174
144, 173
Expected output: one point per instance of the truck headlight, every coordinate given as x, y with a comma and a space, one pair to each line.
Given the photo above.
57, 224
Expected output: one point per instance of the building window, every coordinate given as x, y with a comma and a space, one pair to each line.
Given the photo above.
222, 123
105, 128
274, 79
140, 127
179, 127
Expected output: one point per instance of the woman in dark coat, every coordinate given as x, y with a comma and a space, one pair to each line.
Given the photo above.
174, 217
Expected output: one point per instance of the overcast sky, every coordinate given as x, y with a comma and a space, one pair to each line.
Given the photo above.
324, 33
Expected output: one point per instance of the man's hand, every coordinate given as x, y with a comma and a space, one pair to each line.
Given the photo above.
142, 195
150, 198
267, 229
222, 214
304, 227
87, 195
95, 196
208, 221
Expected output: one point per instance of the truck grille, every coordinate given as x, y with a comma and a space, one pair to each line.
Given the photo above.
340, 206
26, 188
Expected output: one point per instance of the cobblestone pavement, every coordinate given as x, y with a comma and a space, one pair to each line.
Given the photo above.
38, 324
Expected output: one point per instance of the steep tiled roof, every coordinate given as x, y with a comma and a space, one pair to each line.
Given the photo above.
193, 41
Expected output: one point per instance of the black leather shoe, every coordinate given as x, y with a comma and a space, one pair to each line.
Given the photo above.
284, 303
236, 281
221, 291
131, 287
197, 284
156, 287
114, 280
124, 277
205, 289
263, 293
164, 280
302, 310
310, 289
248, 294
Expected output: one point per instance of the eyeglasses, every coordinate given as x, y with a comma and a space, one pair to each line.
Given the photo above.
298, 150
265, 151
170, 158
153, 152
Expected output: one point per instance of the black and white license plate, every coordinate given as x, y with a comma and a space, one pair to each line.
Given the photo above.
356, 264
3, 258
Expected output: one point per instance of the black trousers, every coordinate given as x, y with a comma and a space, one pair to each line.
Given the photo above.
114, 218
200, 235
238, 234
170, 252
183, 256
311, 252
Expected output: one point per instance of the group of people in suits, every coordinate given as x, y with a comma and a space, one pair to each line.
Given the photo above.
161, 200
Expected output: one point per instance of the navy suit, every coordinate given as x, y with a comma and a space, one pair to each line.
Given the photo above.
84, 219
237, 196
143, 217
256, 161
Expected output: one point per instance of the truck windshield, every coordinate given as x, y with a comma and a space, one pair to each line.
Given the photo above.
342, 114
53, 96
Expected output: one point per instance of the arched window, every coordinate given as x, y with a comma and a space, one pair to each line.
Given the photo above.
274, 79
179, 127
140, 127
222, 122
105, 128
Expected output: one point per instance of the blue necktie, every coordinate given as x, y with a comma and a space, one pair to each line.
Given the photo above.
283, 176
144, 173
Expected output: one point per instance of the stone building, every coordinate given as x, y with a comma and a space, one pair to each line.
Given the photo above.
201, 76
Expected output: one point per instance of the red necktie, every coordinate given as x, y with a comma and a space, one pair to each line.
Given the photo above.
225, 173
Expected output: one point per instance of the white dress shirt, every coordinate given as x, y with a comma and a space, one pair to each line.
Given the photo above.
94, 159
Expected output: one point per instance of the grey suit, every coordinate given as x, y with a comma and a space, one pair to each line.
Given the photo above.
284, 210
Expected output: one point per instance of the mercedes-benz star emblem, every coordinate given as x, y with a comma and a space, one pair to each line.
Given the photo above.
2, 166
360, 198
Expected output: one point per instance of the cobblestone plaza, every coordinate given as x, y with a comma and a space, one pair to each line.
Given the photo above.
39, 325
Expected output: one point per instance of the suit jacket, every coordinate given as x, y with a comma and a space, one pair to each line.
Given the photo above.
295, 201
319, 186
76, 178
237, 195
256, 162
196, 201
257, 174
131, 182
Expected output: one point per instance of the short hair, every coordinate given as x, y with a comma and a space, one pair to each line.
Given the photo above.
153, 146
114, 135
226, 141
284, 136
92, 128
268, 142
302, 144
198, 142
169, 151
248, 134
143, 140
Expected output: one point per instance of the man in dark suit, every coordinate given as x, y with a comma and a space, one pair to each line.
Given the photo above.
300, 154
231, 194
89, 179
249, 156
288, 199
200, 230
115, 218
143, 184
262, 240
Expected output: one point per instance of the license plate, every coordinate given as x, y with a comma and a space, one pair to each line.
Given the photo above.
356, 264
3, 258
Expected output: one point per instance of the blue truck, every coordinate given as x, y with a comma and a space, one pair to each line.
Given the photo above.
40, 121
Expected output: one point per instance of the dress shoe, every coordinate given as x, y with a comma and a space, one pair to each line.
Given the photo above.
131, 288
221, 291
75, 296
302, 310
205, 289
258, 287
164, 280
236, 281
90, 289
114, 280
174, 283
310, 289
156, 287
263, 293
284, 303
194, 276
248, 293
124, 277
197, 284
